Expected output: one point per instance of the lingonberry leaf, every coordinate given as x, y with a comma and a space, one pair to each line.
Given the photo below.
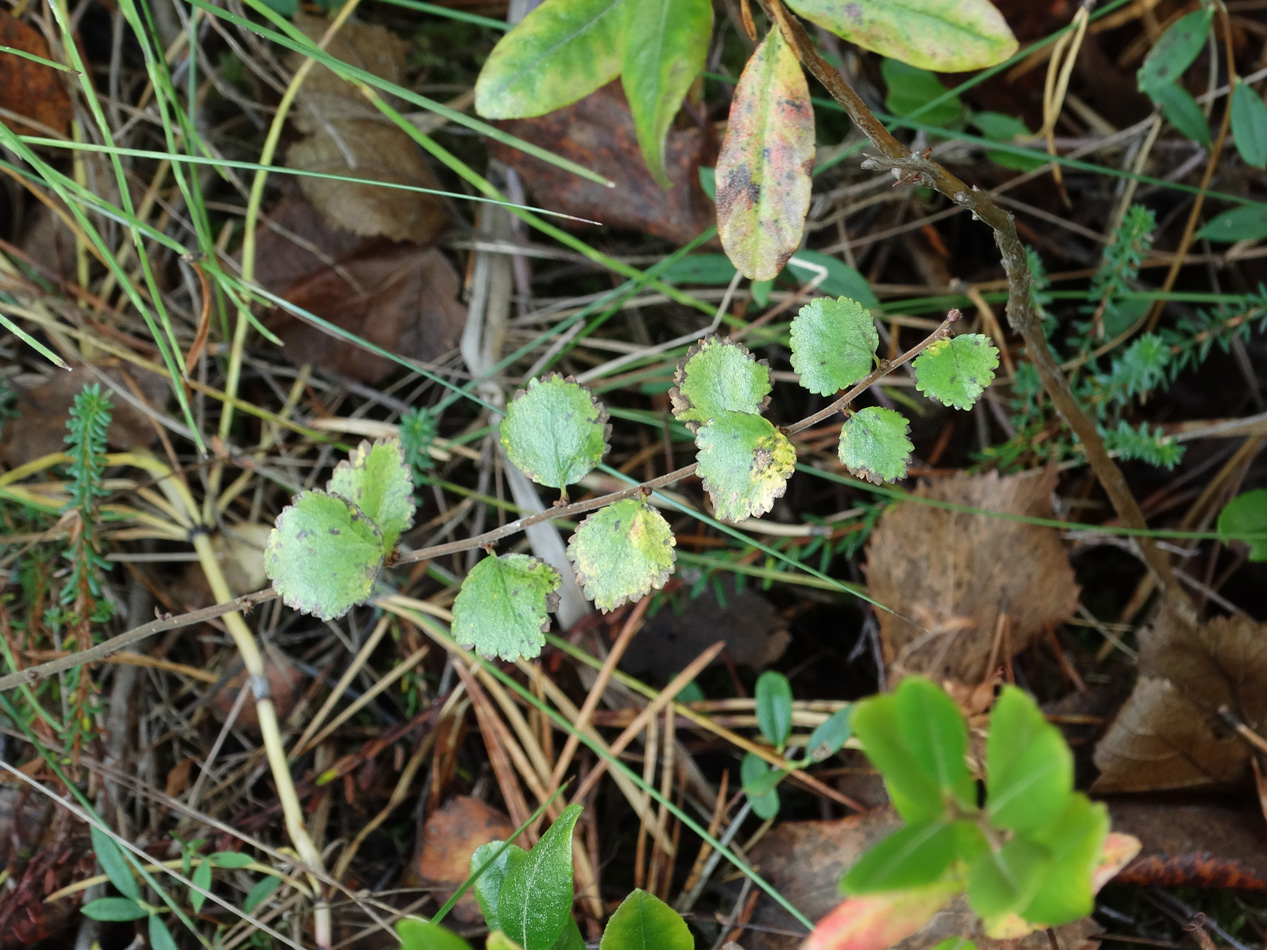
622, 552
323, 554
534, 906
643, 921
377, 480
874, 444
754, 772
718, 376
555, 431
773, 697
744, 462
833, 344
503, 606
956, 371
766, 160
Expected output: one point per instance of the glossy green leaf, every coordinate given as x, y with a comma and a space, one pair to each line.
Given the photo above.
1029, 768
555, 431
1246, 223
956, 372
833, 344
909, 89
378, 481
1249, 124
935, 732
756, 773
644, 922
915, 793
202, 879
773, 699
830, 736
261, 891
622, 552
562, 51
114, 909
571, 938
1182, 111
665, 45
1244, 518
503, 607
488, 885
910, 857
875, 444
945, 35
1175, 50
1004, 881
841, 280
766, 160
113, 863
718, 376
323, 555
1000, 127
418, 934
535, 901
1075, 839
744, 463
160, 937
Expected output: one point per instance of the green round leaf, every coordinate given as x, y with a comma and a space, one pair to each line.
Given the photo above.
323, 555
1029, 768
503, 606
535, 902
1249, 124
718, 376
1245, 519
555, 431
418, 934
833, 344
1075, 840
622, 552
377, 480
745, 463
874, 444
914, 791
753, 772
956, 372
774, 707
643, 921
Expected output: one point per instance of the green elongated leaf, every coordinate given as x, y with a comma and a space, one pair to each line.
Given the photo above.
1182, 111
761, 290
1246, 223
323, 555
113, 863
160, 937
875, 444
909, 88
744, 463
622, 552
1244, 518
956, 371
535, 902
644, 922
377, 480
261, 891
833, 344
488, 885
665, 45
718, 376
830, 736
418, 934
766, 160
562, 51
1000, 127
555, 431
910, 857
202, 879
1075, 840
774, 707
503, 607
841, 280
232, 860
712, 269
915, 793
499, 941
1249, 124
571, 938
1029, 768
114, 909
1003, 882
946, 35
755, 773
1175, 50
934, 730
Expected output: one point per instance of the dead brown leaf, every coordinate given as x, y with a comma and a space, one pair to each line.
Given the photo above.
598, 133
958, 575
28, 88
449, 838
1169, 733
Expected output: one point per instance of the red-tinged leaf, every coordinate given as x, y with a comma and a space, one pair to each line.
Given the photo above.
1117, 853
878, 921
763, 173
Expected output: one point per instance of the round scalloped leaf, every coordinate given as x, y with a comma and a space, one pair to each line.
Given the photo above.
555, 431
719, 376
323, 555
874, 444
956, 372
745, 463
833, 344
504, 604
377, 480
622, 552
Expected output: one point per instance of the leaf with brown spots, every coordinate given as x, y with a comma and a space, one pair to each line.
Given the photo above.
28, 88
763, 172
